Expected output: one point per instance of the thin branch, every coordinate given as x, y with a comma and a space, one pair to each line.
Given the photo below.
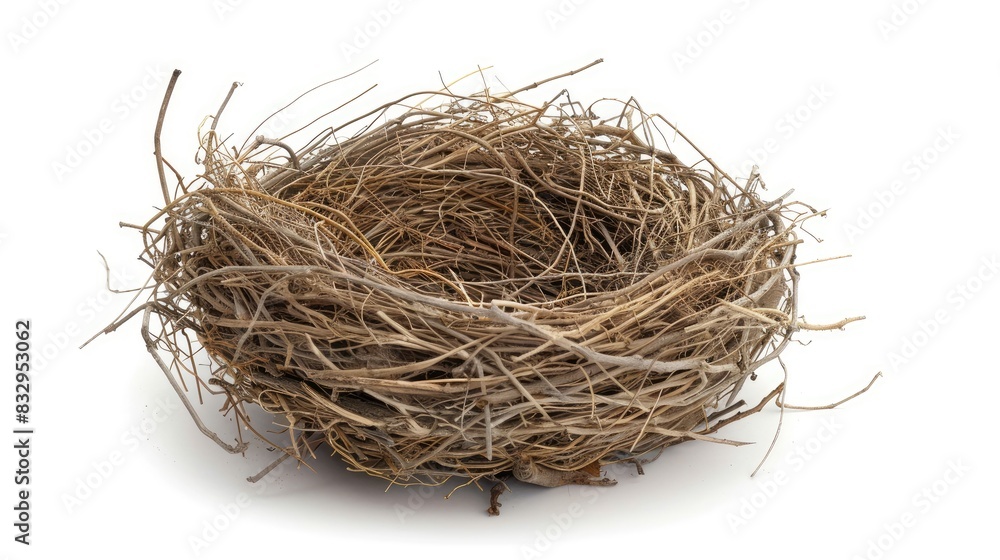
828, 327
836, 404
157, 152
547, 80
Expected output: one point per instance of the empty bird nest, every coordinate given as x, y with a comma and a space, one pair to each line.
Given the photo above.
472, 285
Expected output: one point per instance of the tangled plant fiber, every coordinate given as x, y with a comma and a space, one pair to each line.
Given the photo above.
475, 288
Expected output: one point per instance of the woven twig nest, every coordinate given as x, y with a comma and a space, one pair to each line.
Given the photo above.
474, 287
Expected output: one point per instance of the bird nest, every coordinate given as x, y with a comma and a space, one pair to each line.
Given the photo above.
473, 287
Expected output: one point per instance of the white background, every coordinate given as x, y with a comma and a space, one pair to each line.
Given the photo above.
834, 100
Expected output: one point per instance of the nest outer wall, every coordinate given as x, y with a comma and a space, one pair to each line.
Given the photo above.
474, 287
